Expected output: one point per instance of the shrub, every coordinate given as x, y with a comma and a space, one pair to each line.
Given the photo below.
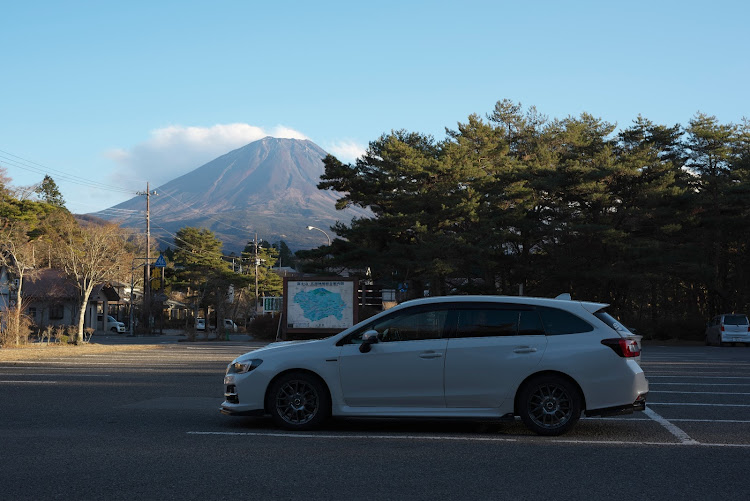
264, 327
15, 328
47, 334
686, 329
61, 334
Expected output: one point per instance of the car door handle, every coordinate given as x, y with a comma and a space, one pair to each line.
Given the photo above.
430, 354
524, 349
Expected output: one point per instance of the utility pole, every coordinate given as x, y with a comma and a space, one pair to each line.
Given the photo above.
147, 268
255, 244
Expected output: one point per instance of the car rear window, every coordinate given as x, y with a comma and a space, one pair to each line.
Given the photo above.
612, 322
735, 320
561, 322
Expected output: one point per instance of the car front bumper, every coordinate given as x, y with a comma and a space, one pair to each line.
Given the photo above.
244, 394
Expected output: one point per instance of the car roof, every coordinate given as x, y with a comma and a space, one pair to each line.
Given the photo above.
536, 301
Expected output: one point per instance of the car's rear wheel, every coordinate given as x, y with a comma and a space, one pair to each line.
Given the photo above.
549, 405
298, 401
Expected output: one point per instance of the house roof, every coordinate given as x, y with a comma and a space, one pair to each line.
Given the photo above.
49, 283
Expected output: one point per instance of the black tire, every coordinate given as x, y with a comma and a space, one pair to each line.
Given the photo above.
549, 405
114, 330
298, 401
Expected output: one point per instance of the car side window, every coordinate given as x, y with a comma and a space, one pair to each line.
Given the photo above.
530, 324
558, 322
487, 323
407, 325
412, 327
491, 322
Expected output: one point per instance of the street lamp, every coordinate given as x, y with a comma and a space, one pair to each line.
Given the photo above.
323, 232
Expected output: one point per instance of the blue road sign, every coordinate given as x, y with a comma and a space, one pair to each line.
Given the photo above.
161, 262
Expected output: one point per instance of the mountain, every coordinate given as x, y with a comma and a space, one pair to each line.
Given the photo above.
267, 186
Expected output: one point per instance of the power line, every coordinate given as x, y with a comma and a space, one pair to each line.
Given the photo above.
198, 211
31, 166
9, 159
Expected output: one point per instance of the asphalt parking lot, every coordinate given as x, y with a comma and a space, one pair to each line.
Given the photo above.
146, 424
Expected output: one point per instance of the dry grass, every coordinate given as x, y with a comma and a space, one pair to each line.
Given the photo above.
39, 351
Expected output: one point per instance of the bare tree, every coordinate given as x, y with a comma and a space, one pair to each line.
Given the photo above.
91, 255
17, 255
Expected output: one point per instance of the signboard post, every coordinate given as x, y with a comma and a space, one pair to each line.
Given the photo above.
318, 307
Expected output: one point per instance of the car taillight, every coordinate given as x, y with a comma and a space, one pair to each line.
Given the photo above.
626, 348
722, 327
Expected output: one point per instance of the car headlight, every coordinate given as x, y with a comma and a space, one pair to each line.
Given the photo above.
244, 366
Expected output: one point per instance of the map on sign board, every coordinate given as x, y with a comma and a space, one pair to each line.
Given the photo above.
320, 304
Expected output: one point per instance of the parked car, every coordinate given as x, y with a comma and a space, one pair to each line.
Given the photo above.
480, 357
200, 324
229, 325
112, 325
728, 328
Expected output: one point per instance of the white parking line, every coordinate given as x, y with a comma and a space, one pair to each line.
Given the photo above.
673, 420
683, 437
375, 437
699, 404
687, 420
697, 377
28, 382
699, 384
701, 392
54, 375
537, 440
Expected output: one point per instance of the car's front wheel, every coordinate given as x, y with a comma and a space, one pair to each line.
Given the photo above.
298, 401
549, 405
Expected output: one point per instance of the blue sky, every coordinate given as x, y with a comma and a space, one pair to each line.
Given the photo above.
107, 96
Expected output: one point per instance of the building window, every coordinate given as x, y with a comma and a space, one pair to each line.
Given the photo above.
31, 312
56, 312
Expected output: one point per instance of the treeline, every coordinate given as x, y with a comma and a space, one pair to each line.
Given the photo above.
653, 220
37, 232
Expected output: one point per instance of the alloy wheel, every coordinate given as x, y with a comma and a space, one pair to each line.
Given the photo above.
550, 406
297, 402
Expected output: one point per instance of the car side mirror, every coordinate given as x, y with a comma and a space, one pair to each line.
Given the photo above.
368, 339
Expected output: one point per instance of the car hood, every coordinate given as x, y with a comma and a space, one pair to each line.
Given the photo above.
277, 347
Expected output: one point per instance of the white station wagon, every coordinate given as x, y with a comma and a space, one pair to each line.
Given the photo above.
477, 357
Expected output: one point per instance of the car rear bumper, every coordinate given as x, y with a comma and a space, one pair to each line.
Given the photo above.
638, 405
735, 337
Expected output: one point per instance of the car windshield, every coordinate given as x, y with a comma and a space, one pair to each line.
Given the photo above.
735, 320
612, 322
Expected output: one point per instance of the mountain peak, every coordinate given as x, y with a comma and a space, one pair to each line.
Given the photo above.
268, 186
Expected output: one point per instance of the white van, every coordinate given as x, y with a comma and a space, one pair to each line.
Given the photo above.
112, 325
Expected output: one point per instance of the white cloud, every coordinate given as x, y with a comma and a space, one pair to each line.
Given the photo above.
176, 150
346, 151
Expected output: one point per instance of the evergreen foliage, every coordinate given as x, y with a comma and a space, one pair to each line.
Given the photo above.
653, 220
